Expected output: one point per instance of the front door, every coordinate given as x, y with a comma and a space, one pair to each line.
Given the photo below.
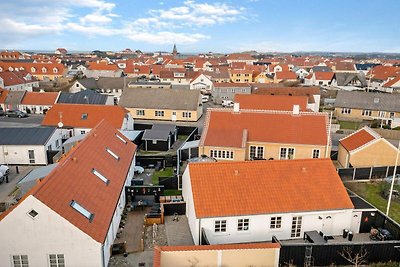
327, 223
173, 116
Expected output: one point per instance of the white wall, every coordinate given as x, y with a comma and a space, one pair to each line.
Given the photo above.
57, 135
18, 154
190, 212
47, 233
259, 227
35, 109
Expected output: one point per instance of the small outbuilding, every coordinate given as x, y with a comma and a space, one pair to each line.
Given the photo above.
160, 137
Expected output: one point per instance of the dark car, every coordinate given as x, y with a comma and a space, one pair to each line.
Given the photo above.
16, 114
1, 112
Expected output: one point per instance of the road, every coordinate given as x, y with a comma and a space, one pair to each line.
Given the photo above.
31, 121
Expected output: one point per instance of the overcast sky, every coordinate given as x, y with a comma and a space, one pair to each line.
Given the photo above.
202, 26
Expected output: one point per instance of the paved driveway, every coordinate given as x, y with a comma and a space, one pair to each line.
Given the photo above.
31, 121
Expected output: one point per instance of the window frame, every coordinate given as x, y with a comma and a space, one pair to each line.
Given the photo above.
220, 226
243, 225
313, 153
57, 259
275, 223
296, 226
20, 262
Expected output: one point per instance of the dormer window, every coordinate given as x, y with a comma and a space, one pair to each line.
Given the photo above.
79, 208
55, 70
44, 70
10, 69
112, 153
101, 176
33, 69
84, 116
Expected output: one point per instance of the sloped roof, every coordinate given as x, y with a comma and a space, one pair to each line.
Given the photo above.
159, 98
271, 102
83, 97
73, 179
294, 91
263, 126
3, 95
73, 115
392, 82
325, 76
39, 98
232, 85
89, 83
368, 100
286, 75
345, 78
25, 136
292, 186
14, 97
359, 138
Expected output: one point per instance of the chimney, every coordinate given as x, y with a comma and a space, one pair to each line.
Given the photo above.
236, 107
296, 109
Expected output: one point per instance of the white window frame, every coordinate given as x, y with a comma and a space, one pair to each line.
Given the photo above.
140, 112
20, 260
296, 226
159, 113
32, 159
286, 149
275, 222
220, 226
243, 224
314, 151
367, 112
58, 258
346, 110
382, 114
186, 114
83, 211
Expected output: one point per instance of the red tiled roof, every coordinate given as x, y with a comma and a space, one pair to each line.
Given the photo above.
102, 65
74, 180
358, 138
11, 78
348, 66
3, 95
292, 186
35, 68
323, 75
72, 115
392, 82
238, 65
294, 91
231, 85
237, 71
286, 75
39, 98
268, 102
240, 56
263, 126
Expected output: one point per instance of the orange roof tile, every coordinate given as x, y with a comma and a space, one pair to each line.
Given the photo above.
323, 75
3, 95
271, 102
294, 91
74, 180
358, 138
102, 65
264, 126
72, 115
292, 186
286, 75
392, 82
39, 98
35, 68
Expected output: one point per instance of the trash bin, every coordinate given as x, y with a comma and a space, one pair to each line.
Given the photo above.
351, 236
345, 233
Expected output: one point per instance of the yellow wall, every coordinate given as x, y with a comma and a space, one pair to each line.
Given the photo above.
150, 114
50, 77
343, 156
357, 114
241, 77
271, 150
379, 153
231, 258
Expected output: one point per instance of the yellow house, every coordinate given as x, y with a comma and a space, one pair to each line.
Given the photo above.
263, 77
239, 135
162, 104
241, 76
358, 106
366, 148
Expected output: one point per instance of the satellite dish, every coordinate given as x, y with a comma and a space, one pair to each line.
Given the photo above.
60, 124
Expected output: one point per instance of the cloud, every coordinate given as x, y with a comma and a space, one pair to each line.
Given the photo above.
183, 24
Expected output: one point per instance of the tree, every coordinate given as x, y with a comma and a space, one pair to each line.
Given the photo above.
357, 259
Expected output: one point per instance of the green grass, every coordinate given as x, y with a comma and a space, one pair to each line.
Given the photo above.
172, 192
353, 125
372, 193
182, 137
167, 172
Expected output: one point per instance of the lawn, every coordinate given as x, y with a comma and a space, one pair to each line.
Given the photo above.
353, 125
371, 192
172, 192
167, 172
182, 137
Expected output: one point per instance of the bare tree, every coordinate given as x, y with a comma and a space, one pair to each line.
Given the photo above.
357, 259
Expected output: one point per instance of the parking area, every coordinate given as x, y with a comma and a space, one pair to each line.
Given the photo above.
31, 121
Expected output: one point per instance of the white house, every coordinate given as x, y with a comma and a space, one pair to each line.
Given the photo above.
201, 82
319, 78
241, 202
28, 146
300, 72
71, 218
18, 80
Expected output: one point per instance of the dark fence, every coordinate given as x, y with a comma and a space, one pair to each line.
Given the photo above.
328, 254
368, 173
165, 161
168, 182
172, 208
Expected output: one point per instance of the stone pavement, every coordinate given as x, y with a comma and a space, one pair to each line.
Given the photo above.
13, 179
178, 232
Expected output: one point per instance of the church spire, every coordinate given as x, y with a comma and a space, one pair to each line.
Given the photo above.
174, 50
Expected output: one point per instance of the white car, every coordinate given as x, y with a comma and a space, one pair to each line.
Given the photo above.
205, 98
4, 171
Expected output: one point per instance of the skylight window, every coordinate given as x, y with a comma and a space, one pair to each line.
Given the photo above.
112, 153
82, 210
120, 138
101, 176
84, 116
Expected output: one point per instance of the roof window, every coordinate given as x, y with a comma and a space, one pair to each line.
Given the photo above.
33, 214
101, 176
112, 153
120, 138
84, 116
82, 210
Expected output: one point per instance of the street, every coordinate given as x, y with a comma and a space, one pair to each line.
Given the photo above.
31, 121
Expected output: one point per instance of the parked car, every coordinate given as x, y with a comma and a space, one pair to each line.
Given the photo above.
1, 112
204, 98
4, 171
16, 114
227, 103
